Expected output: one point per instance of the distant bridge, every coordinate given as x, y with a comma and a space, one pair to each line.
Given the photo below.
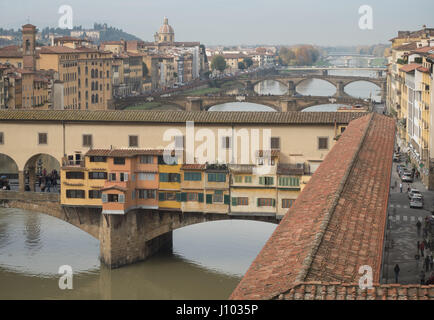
278, 103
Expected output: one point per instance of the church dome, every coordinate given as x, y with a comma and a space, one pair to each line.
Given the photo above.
166, 28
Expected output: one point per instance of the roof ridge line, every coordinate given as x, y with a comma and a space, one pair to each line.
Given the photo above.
307, 263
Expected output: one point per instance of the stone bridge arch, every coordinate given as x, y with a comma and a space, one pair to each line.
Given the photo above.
9, 168
273, 105
370, 80
284, 82
317, 77
35, 166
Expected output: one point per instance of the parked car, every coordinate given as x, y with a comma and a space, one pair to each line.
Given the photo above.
407, 177
418, 198
414, 192
416, 203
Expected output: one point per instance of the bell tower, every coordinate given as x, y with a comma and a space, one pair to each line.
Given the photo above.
29, 47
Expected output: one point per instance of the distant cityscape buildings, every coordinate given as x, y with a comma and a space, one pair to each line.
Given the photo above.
410, 97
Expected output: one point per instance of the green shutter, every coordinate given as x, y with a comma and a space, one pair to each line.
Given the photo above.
183, 196
200, 197
272, 181
234, 201
257, 202
273, 202
164, 177
227, 199
261, 180
161, 196
178, 196
209, 198
211, 177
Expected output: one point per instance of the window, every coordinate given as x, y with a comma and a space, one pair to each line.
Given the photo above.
238, 179
192, 196
118, 160
87, 140
94, 194
112, 177
74, 175
167, 196
192, 176
75, 194
146, 176
275, 143
123, 177
146, 159
218, 196
240, 201
133, 141
248, 179
170, 177
2, 141
216, 177
289, 181
268, 181
98, 159
98, 175
226, 142
42, 138
113, 198
266, 202
287, 203
146, 193
323, 143
343, 129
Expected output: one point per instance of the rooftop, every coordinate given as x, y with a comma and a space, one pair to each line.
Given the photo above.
337, 223
134, 116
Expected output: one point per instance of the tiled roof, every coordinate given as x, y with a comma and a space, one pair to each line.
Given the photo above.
407, 46
116, 187
293, 117
423, 69
410, 67
11, 52
123, 152
193, 166
289, 169
339, 291
56, 50
337, 223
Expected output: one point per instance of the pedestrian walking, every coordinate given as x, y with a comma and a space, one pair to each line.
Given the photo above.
418, 225
396, 270
427, 263
400, 187
422, 249
422, 277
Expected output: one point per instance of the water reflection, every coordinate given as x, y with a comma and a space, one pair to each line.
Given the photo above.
271, 87
316, 87
207, 261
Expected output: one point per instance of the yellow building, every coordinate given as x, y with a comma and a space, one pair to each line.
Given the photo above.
82, 181
170, 184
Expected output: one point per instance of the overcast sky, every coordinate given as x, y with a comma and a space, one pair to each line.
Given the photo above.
230, 22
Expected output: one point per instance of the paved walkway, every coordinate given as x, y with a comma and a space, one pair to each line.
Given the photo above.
402, 235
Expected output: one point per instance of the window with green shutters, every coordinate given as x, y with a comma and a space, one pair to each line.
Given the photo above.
170, 177
248, 179
209, 198
238, 179
238, 201
289, 181
267, 181
226, 199
216, 177
200, 197
192, 176
218, 196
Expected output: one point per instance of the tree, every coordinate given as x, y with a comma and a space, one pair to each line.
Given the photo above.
218, 62
241, 65
248, 62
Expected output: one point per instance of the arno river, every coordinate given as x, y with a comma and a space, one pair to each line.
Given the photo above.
207, 262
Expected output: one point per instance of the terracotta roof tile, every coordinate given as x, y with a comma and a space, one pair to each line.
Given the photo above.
293, 117
410, 67
339, 291
123, 152
337, 223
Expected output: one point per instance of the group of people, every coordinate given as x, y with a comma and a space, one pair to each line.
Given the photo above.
4, 183
47, 182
